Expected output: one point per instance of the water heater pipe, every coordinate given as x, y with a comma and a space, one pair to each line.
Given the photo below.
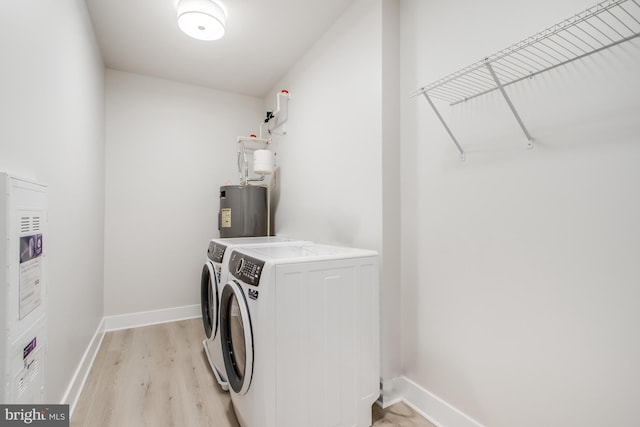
278, 118
268, 210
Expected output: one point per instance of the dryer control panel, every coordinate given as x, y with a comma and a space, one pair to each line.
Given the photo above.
215, 252
245, 268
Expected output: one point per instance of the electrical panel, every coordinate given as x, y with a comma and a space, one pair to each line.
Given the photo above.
23, 290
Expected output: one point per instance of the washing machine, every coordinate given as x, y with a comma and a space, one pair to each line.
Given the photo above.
211, 280
299, 329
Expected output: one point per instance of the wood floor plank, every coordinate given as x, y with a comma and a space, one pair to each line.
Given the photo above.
398, 415
159, 376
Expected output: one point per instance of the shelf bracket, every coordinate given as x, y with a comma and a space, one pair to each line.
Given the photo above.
455, 141
509, 103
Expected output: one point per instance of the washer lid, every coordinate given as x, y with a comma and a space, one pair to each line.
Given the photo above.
258, 240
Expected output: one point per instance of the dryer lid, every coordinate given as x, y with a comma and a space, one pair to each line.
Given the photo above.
305, 252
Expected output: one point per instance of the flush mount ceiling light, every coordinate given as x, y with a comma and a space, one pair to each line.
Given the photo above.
202, 19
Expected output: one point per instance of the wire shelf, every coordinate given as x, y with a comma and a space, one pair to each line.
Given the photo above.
602, 26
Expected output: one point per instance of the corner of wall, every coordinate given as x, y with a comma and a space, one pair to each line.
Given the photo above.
433, 408
72, 394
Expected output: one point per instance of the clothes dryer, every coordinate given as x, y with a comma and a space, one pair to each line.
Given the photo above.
300, 335
212, 278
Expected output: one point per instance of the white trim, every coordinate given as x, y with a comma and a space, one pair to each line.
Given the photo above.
154, 317
72, 394
430, 406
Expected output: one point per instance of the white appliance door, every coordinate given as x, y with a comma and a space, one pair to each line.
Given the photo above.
236, 337
209, 299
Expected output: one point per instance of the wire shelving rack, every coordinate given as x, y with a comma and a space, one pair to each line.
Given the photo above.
597, 28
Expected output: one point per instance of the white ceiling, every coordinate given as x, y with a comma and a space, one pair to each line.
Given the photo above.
263, 39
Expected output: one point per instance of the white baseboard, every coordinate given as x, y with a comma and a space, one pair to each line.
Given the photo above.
430, 406
72, 394
146, 318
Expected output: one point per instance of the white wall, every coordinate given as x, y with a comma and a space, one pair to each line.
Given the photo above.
520, 267
169, 147
52, 127
330, 158
331, 179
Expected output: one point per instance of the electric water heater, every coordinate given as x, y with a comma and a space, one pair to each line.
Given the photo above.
243, 211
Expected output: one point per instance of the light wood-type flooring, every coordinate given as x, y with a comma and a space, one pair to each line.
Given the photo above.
159, 376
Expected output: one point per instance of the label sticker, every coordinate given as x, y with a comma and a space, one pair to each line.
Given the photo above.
30, 273
29, 348
225, 217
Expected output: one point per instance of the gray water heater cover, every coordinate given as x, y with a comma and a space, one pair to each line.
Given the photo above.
243, 211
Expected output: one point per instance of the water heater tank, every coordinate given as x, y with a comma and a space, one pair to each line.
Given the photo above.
243, 211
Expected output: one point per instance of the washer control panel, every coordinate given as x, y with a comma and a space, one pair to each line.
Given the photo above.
215, 252
245, 268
